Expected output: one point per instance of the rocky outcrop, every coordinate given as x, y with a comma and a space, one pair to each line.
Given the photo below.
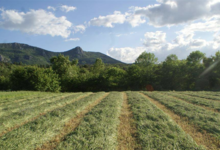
77, 52
3, 59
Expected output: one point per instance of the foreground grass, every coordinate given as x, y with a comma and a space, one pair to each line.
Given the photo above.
98, 129
156, 130
28, 113
35, 133
204, 119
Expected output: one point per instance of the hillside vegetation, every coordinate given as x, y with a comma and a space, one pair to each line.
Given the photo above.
30, 55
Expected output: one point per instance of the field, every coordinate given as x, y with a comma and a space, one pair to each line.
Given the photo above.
110, 120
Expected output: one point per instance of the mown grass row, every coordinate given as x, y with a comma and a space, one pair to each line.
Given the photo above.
25, 100
28, 113
98, 129
207, 95
196, 100
204, 119
35, 133
13, 96
7, 110
155, 129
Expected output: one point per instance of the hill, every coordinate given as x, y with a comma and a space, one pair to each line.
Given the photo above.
17, 52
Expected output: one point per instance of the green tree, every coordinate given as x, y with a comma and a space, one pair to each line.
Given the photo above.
195, 57
60, 64
34, 79
146, 59
98, 66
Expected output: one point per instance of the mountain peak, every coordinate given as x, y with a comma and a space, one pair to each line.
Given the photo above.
27, 54
75, 51
78, 49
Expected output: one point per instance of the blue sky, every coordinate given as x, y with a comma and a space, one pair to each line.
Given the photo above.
122, 29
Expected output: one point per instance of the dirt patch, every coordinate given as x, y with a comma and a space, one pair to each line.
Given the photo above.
201, 138
69, 126
126, 128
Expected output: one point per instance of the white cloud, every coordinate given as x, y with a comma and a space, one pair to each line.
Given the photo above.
72, 39
126, 54
135, 20
51, 8
154, 40
109, 20
198, 43
79, 28
38, 22
172, 12
216, 41
66, 8
209, 25
164, 13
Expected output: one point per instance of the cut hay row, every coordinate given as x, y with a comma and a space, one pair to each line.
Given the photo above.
207, 95
205, 120
25, 99
35, 133
28, 102
156, 130
69, 127
127, 130
17, 118
12, 96
199, 137
206, 104
98, 129
37, 103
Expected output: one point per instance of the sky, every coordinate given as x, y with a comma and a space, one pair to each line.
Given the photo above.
122, 29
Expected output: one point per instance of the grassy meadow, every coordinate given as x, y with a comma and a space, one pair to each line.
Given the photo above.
110, 120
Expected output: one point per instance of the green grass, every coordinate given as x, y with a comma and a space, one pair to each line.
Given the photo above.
207, 95
6, 97
204, 119
155, 129
35, 133
24, 99
17, 107
196, 100
26, 114
36, 118
98, 130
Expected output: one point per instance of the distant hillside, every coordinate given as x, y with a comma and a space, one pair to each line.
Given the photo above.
16, 52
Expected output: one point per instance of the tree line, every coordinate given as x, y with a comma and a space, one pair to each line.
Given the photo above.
196, 72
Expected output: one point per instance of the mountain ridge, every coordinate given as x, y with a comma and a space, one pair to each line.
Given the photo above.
30, 55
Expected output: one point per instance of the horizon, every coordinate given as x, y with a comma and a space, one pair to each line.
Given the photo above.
122, 31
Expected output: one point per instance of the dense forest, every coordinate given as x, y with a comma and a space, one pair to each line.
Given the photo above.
196, 72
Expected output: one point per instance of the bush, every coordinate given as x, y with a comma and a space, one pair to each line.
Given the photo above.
35, 79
